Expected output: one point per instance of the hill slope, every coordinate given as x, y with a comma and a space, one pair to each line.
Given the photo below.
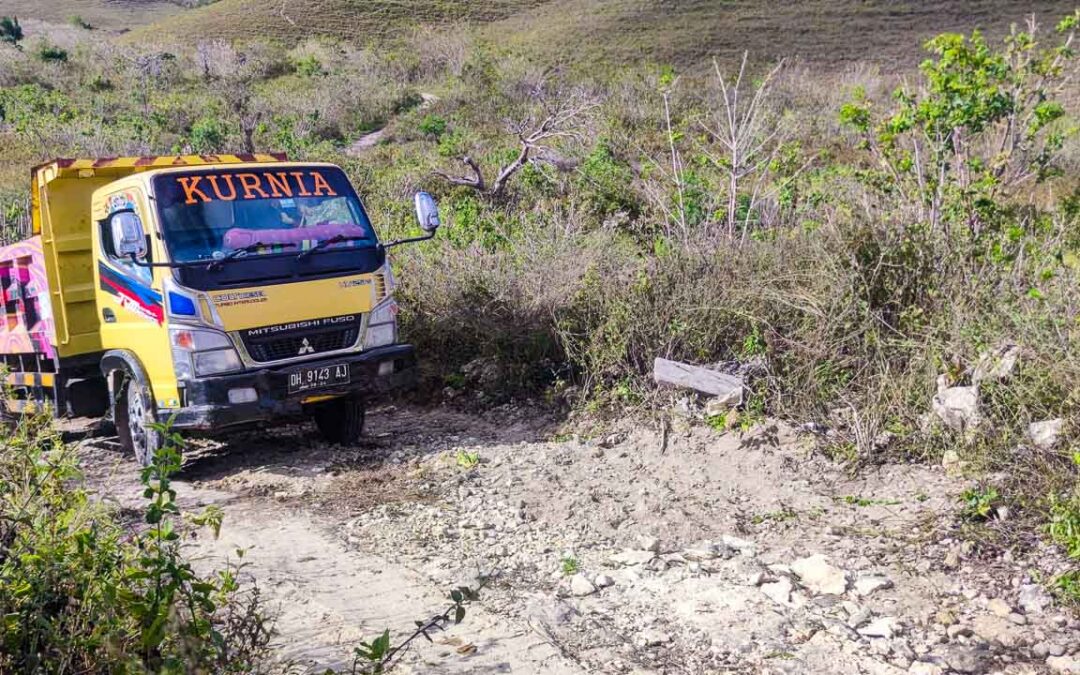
679, 31
105, 14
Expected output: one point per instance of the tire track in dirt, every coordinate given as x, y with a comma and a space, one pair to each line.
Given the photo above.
326, 596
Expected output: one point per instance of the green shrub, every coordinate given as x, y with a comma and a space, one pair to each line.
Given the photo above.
432, 125
79, 592
50, 53
10, 30
208, 134
308, 66
607, 184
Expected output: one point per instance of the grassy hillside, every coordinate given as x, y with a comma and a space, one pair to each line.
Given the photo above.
679, 31
105, 14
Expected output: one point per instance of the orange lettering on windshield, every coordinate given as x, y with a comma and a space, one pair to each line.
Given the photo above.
321, 186
189, 184
250, 182
279, 184
299, 176
217, 190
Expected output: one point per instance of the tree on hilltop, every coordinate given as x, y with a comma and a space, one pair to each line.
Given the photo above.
10, 30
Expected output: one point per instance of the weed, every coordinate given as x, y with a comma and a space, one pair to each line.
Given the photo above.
781, 515
1064, 526
721, 423
467, 460
454, 380
854, 500
569, 566
1067, 587
978, 503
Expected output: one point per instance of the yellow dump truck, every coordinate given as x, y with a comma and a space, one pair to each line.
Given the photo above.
218, 292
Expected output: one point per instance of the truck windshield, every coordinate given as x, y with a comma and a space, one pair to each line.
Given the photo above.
217, 213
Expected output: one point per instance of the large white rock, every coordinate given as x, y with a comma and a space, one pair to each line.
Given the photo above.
996, 364
1045, 435
958, 408
581, 586
819, 576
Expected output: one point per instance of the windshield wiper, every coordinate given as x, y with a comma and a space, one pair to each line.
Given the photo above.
336, 239
236, 253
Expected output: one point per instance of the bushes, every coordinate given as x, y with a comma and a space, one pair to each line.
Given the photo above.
81, 593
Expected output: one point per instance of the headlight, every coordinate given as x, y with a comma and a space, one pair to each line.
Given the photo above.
380, 336
382, 325
384, 313
194, 340
217, 361
202, 352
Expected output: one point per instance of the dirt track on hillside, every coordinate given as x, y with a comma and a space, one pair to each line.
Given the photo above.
634, 551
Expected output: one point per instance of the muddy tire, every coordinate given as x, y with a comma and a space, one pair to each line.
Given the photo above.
340, 421
134, 416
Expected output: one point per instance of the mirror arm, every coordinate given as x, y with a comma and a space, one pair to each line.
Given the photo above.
399, 242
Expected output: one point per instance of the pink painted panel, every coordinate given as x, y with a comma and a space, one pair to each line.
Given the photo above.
27, 322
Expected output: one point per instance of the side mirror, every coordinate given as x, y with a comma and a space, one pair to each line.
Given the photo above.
128, 236
427, 212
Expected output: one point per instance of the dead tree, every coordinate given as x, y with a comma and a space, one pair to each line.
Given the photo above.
558, 114
750, 137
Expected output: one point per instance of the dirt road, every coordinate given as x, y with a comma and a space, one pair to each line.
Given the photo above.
629, 552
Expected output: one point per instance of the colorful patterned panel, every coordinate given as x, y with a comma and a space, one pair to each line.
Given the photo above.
27, 326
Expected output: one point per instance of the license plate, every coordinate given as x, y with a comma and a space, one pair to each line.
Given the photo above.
322, 377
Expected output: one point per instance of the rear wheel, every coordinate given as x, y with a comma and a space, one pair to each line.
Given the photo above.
341, 420
134, 419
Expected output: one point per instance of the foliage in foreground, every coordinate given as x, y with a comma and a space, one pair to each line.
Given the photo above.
81, 592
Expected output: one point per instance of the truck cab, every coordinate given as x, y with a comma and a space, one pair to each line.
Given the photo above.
228, 292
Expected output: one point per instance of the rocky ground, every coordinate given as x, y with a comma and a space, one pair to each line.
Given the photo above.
634, 550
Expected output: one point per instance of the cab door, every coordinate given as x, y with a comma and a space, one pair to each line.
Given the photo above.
130, 297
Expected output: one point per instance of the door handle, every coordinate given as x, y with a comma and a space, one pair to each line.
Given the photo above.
108, 315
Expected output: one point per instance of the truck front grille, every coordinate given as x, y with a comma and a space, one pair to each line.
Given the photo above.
294, 346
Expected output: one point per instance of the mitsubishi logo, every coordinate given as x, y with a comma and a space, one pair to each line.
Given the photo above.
305, 348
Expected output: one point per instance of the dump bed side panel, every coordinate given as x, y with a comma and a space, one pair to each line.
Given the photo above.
27, 326
63, 215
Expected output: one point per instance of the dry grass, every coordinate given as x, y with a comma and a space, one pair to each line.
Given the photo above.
824, 32
111, 15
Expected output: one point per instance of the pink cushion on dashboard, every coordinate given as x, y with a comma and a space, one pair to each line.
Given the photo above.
240, 238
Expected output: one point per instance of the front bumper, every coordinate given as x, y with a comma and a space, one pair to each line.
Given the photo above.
206, 406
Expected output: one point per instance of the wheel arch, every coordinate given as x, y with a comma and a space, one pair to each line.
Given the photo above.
119, 364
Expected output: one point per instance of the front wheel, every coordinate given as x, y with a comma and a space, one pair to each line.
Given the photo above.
340, 421
135, 418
